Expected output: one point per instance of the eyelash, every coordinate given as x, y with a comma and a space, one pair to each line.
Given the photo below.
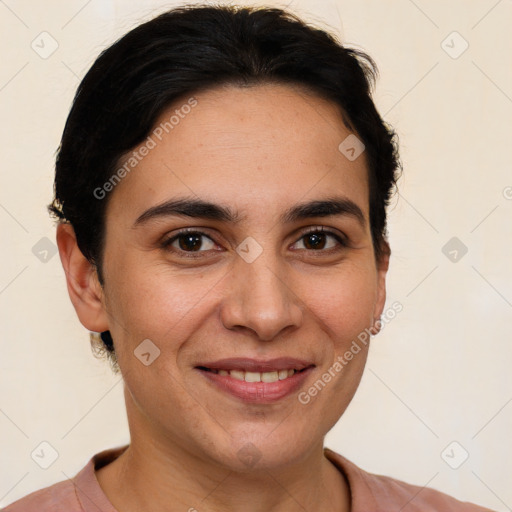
166, 244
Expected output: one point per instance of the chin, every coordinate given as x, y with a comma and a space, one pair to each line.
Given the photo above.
271, 449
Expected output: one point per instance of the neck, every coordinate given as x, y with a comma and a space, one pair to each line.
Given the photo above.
149, 476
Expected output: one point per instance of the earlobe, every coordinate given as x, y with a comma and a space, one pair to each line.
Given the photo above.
84, 288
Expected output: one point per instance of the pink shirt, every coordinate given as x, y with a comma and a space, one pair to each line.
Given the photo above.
369, 493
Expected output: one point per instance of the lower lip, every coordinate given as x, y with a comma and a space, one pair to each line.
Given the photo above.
258, 392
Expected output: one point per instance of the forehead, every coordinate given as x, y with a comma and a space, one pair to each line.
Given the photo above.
267, 144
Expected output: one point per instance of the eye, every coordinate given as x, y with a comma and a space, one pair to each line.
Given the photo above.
317, 239
189, 241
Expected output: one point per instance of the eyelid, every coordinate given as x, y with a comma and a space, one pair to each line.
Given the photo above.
322, 229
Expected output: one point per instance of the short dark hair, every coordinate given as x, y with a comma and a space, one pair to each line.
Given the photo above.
192, 48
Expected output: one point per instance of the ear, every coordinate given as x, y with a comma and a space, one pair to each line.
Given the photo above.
84, 288
382, 269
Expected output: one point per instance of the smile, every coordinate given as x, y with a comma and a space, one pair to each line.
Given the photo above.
256, 382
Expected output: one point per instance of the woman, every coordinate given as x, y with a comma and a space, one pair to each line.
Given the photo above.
221, 185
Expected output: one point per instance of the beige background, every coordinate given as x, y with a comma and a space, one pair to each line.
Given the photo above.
438, 373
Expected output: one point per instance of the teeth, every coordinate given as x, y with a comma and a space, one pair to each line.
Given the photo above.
237, 374
256, 376
252, 377
269, 377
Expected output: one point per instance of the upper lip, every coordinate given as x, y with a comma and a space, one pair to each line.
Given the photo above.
257, 365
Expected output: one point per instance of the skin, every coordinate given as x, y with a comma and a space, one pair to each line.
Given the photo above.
260, 151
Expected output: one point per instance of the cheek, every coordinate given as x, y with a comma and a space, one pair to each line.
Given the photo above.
343, 302
153, 303
343, 306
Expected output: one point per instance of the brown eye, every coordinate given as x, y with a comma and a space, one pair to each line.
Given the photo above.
315, 240
319, 240
189, 242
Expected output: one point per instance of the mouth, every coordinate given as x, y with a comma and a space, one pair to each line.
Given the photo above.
257, 381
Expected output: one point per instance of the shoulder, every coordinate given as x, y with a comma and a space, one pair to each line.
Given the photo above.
57, 497
382, 493
82, 493
414, 498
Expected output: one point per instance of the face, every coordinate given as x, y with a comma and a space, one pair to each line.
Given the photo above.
249, 282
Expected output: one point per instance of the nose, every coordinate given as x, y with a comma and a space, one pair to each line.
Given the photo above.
261, 299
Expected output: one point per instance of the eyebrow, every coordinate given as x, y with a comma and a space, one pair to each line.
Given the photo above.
200, 209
